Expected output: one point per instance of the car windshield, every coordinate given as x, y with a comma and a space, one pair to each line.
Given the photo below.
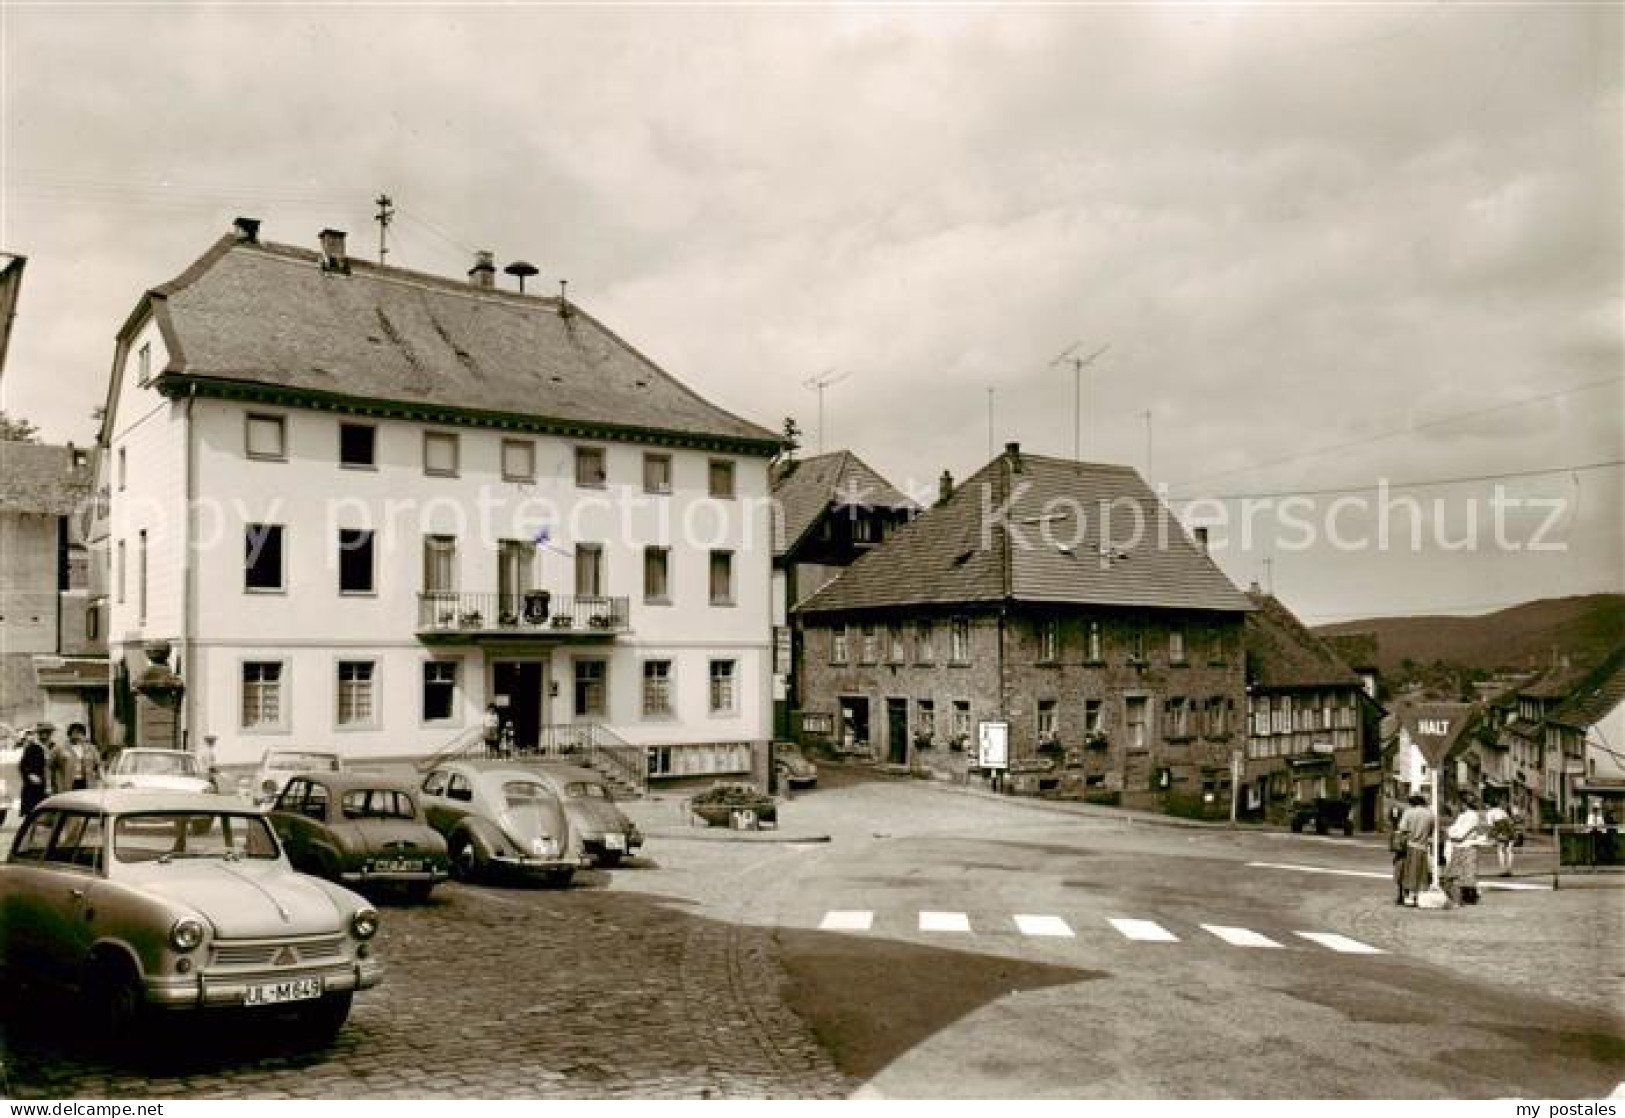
377, 803
304, 762
585, 790
169, 835
135, 762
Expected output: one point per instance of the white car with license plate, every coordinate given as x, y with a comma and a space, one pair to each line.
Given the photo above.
164, 770
145, 901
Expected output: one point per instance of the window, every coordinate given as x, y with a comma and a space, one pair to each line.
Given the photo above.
590, 471
722, 686
589, 570
518, 460
143, 363
1176, 644
122, 572
358, 446
925, 719
869, 650
839, 644
262, 557
123, 468
1218, 716
1093, 720
1049, 641
355, 706
894, 643
355, 561
721, 478
1136, 645
516, 562
439, 564
35, 838
141, 577
657, 473
589, 680
657, 575
722, 578
262, 695
656, 688
1095, 647
925, 642
1134, 716
266, 437
1215, 652
961, 725
1049, 724
439, 690
959, 641
1178, 715
440, 453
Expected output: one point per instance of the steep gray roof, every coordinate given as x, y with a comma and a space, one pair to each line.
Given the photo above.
965, 552
269, 316
42, 479
803, 489
1281, 652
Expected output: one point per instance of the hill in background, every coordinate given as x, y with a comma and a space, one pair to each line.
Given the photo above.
1529, 637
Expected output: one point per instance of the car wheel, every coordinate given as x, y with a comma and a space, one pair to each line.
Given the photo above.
418, 891
560, 879
465, 859
116, 1002
609, 859
1297, 826
324, 1019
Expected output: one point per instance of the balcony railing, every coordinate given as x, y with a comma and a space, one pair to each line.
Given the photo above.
530, 613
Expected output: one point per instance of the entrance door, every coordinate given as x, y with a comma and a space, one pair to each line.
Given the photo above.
897, 731
854, 724
516, 688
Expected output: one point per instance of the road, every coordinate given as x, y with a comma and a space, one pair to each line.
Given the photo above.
889, 962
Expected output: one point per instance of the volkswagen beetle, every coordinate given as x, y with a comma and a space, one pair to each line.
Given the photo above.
607, 836
500, 821
144, 901
359, 829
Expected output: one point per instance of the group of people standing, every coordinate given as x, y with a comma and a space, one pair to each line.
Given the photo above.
1470, 832
47, 767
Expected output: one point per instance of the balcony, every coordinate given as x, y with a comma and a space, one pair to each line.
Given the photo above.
449, 615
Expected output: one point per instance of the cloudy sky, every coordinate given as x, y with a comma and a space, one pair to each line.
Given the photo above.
1323, 245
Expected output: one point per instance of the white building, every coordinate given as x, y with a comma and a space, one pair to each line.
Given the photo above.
361, 503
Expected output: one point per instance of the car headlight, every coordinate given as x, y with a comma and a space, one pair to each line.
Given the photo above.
364, 923
186, 933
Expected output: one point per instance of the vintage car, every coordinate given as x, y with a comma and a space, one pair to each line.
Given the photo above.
359, 829
792, 767
144, 901
1324, 814
605, 833
277, 765
500, 822
168, 770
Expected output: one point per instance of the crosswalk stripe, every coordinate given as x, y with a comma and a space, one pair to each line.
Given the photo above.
1341, 943
1147, 930
847, 921
944, 922
1042, 926
1240, 937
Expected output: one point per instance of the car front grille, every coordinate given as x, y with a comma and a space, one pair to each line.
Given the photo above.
261, 953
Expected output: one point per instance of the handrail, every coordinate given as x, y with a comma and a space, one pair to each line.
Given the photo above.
589, 743
535, 611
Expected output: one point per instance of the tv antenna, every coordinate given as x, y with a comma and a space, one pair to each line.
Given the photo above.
818, 384
1070, 356
385, 215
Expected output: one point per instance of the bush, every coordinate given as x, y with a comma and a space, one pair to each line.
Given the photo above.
731, 795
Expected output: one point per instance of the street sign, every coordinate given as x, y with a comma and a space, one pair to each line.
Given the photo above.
993, 745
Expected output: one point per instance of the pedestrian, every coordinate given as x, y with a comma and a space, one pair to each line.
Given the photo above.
1415, 830
491, 728
207, 762
32, 769
1466, 833
1503, 834
75, 763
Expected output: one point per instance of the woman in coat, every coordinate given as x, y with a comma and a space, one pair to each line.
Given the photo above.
31, 769
1411, 870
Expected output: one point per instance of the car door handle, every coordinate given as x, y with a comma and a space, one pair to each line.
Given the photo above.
77, 894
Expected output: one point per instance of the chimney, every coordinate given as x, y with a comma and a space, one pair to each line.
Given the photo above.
945, 487
1201, 539
1013, 452
484, 271
248, 229
333, 258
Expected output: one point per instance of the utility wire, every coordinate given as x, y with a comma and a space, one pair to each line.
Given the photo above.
1418, 484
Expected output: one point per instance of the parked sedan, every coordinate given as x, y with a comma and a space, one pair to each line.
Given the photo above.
500, 822
277, 765
606, 834
792, 767
143, 901
359, 829
166, 770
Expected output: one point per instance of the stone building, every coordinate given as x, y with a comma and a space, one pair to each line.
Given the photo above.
1059, 598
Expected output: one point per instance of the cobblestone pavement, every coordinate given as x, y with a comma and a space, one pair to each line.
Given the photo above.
629, 985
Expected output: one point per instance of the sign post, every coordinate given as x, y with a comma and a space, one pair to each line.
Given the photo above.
993, 749
1237, 770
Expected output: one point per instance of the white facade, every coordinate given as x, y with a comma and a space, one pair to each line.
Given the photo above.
1605, 746
181, 473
